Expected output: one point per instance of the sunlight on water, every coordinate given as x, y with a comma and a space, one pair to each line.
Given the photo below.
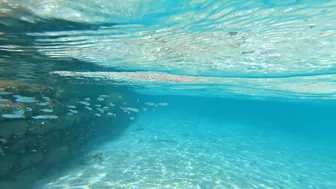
231, 41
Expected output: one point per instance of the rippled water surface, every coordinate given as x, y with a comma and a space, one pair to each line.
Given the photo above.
243, 53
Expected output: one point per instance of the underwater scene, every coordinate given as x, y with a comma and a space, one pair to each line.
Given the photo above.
169, 94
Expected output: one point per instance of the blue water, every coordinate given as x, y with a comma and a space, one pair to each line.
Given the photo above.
249, 88
212, 143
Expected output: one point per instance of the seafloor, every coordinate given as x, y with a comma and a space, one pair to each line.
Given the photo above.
177, 147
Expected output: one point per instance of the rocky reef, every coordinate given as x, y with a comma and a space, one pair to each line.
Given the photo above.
42, 125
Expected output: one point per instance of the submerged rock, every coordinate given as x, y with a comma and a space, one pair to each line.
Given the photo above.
9, 128
7, 164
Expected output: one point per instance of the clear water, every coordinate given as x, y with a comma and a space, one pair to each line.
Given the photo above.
249, 86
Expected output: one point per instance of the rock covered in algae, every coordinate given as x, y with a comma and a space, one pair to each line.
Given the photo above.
56, 153
36, 140
20, 145
30, 159
10, 128
7, 164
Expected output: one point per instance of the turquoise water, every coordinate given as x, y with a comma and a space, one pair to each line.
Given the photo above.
218, 94
211, 143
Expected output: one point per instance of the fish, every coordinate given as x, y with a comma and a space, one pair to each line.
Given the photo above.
46, 98
132, 118
13, 116
5, 93
4, 100
85, 103
3, 141
103, 96
87, 99
88, 108
101, 110
2, 153
131, 109
144, 109
24, 99
33, 150
19, 112
73, 111
162, 104
98, 114
42, 103
29, 109
70, 114
100, 99
98, 105
123, 109
72, 107
46, 110
109, 113
150, 104
111, 104
105, 108
45, 117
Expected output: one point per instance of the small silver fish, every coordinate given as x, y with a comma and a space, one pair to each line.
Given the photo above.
4, 100
24, 99
46, 98
162, 104
42, 103
88, 108
13, 116
19, 112
98, 105
111, 104
144, 109
103, 96
101, 110
132, 118
109, 113
73, 111
29, 109
87, 99
100, 99
84, 102
5, 93
2, 153
105, 108
98, 114
71, 106
33, 150
46, 110
70, 114
45, 117
131, 109
150, 103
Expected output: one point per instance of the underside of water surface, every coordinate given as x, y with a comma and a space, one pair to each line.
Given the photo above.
167, 94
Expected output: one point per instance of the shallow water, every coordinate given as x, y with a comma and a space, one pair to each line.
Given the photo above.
167, 149
246, 90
